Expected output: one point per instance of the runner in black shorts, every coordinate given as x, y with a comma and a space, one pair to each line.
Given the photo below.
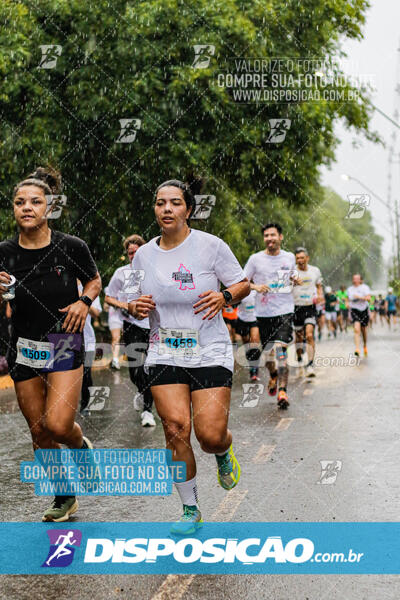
390, 307
45, 353
190, 358
330, 311
272, 274
305, 295
247, 328
381, 309
136, 333
359, 296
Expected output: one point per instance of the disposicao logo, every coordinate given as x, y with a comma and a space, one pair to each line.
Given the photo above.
192, 550
62, 547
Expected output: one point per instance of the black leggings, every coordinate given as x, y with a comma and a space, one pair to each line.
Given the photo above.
139, 338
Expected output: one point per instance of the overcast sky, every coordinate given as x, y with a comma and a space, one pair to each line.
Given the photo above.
377, 54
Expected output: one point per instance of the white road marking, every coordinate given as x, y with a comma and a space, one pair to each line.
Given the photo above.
308, 392
283, 424
229, 505
263, 454
173, 587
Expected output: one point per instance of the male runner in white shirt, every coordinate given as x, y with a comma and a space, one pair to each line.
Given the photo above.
272, 274
359, 296
305, 296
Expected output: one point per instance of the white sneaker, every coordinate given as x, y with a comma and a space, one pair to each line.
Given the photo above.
138, 401
115, 364
310, 371
147, 419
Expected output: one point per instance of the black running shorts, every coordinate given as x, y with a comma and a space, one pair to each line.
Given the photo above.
362, 316
197, 378
304, 315
243, 327
276, 329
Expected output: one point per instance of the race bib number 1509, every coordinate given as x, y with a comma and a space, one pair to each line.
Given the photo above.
34, 354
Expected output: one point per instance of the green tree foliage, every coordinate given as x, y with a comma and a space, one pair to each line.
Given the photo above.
131, 59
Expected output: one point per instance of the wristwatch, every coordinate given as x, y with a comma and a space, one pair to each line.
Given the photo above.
228, 296
86, 300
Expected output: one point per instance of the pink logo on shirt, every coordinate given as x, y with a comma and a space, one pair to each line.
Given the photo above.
185, 277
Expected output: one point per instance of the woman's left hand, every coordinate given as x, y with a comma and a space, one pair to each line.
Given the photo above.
76, 317
214, 301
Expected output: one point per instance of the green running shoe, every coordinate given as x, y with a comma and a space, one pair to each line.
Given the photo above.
189, 522
228, 470
61, 509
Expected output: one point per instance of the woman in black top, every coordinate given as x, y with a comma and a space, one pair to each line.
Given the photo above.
45, 353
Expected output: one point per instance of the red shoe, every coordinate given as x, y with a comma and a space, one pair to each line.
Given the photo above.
254, 378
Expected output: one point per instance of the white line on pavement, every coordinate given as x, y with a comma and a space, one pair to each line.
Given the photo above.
263, 454
173, 587
229, 505
283, 424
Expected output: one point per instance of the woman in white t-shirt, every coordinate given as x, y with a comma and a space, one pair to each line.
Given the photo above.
190, 358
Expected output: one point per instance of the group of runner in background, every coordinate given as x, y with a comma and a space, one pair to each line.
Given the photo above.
332, 313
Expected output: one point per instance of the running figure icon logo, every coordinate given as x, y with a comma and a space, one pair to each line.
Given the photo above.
55, 205
329, 471
129, 129
252, 393
98, 397
65, 344
204, 206
132, 279
63, 543
358, 204
185, 278
203, 54
50, 54
278, 130
284, 282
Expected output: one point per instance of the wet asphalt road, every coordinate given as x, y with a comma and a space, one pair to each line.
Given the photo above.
347, 413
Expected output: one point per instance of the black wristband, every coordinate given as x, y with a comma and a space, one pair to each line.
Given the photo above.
228, 296
86, 300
